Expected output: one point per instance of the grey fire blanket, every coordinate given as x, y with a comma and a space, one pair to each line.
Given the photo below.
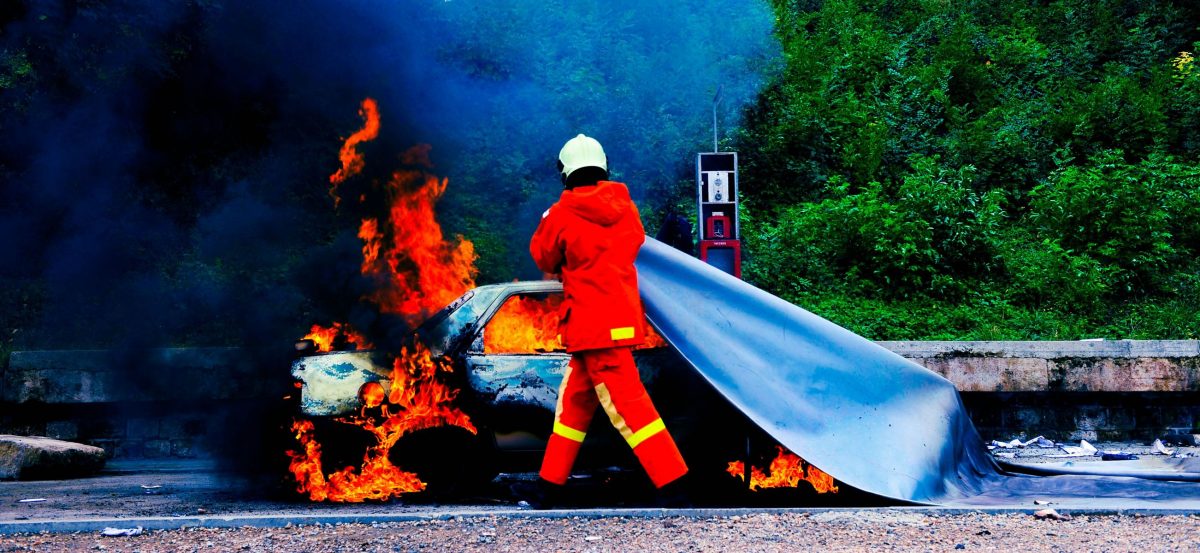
868, 417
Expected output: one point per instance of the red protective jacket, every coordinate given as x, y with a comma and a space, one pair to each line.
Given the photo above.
592, 236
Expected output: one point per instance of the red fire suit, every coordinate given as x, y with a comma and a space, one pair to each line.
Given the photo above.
591, 236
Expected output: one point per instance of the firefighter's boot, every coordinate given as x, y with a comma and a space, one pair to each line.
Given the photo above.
538, 495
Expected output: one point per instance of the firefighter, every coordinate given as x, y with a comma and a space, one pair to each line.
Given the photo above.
591, 237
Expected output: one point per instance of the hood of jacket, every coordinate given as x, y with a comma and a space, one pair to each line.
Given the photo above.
603, 204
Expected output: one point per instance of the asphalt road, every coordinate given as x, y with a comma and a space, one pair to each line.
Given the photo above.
176, 494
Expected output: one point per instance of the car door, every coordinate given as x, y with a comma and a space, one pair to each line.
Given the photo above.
516, 357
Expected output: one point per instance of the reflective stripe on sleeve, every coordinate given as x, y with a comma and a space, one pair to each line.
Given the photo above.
623, 333
570, 433
645, 433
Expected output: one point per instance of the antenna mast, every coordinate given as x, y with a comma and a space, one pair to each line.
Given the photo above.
716, 100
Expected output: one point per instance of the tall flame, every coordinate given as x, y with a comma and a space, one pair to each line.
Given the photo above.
417, 272
352, 160
787, 470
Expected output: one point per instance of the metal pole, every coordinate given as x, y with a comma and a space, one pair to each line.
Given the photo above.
746, 465
716, 100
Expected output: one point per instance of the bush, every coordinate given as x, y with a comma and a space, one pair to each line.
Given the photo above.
981, 170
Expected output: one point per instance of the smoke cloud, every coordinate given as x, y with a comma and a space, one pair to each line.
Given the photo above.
165, 164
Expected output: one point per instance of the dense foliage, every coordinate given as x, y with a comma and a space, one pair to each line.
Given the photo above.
981, 170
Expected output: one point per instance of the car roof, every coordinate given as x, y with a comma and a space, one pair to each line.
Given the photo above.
522, 286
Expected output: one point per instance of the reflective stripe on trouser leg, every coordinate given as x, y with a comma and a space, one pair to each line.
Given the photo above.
624, 398
572, 416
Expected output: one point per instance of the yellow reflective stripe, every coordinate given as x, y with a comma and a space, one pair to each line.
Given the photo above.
568, 432
623, 333
645, 433
614, 417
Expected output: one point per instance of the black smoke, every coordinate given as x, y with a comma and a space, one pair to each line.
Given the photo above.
165, 164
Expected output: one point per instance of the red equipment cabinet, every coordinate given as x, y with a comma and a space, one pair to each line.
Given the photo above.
717, 203
725, 255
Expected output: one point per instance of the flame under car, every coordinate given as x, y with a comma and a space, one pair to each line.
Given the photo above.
502, 340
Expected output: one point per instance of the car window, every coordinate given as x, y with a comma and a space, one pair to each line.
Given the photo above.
525, 323
452, 321
528, 324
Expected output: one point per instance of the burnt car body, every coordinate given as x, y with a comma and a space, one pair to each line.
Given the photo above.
510, 397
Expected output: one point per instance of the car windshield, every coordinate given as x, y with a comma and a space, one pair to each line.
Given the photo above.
443, 327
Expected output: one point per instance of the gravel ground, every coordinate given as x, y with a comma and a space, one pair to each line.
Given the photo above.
884, 529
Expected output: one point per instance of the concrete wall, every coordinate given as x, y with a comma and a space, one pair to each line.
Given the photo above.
1083, 366
144, 404
169, 402
1093, 390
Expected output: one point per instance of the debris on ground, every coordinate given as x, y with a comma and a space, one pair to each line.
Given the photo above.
1160, 448
1051, 514
1079, 455
41, 458
1040, 441
110, 532
1084, 449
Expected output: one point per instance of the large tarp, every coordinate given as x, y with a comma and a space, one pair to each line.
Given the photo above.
867, 416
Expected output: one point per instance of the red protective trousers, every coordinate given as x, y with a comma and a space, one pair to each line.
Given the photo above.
608, 377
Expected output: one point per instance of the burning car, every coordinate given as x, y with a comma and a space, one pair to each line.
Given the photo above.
473, 391
500, 343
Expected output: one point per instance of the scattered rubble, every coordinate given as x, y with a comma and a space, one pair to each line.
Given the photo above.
111, 532
1086, 452
37, 458
1051, 514
1160, 448
1084, 449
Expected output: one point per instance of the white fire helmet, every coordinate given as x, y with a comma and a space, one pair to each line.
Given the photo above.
581, 151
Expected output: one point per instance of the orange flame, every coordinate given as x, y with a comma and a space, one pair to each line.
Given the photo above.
787, 470
416, 400
418, 270
324, 337
530, 324
523, 325
352, 160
